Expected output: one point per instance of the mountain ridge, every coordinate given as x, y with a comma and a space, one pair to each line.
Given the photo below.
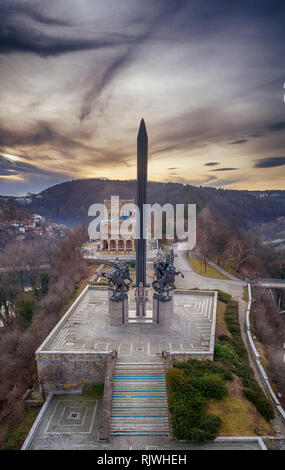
68, 202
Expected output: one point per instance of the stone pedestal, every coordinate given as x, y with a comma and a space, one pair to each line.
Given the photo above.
118, 311
141, 298
162, 310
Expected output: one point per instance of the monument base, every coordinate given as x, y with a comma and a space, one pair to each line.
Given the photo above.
141, 298
118, 311
162, 310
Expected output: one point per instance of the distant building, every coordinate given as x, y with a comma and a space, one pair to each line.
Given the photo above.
122, 240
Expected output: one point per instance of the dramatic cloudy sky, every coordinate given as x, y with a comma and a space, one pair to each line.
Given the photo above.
76, 77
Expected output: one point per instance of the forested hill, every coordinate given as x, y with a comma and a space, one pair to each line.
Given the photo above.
68, 202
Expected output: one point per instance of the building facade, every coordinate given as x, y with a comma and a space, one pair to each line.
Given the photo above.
118, 235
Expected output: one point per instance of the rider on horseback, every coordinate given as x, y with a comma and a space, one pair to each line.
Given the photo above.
117, 278
165, 273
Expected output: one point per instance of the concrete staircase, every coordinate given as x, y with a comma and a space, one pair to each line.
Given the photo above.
139, 404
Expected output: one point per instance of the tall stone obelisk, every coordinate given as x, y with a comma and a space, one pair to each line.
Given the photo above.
142, 153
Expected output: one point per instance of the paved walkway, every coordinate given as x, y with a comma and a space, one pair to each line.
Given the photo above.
192, 279
88, 329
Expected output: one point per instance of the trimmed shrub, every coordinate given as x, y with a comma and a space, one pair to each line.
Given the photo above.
199, 368
261, 403
175, 378
224, 352
189, 385
213, 386
224, 297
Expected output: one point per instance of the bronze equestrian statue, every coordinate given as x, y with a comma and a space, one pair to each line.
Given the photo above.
165, 273
117, 280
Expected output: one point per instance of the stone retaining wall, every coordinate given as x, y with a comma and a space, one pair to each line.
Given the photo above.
178, 356
82, 300
70, 369
105, 424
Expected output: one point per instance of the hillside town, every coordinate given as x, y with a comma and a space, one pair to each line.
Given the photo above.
31, 228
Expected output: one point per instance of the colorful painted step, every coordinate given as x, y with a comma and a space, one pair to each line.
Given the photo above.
139, 403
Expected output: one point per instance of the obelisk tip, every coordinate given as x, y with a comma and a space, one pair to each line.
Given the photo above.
142, 128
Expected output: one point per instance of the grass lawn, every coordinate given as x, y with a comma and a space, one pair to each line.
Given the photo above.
18, 434
263, 359
245, 293
238, 416
230, 270
95, 390
199, 268
221, 326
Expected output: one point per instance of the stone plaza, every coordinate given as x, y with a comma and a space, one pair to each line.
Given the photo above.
82, 341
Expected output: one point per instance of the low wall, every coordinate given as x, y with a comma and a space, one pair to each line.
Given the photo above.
178, 356
168, 365
82, 300
256, 357
105, 424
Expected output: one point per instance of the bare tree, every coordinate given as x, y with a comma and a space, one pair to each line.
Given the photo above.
237, 253
204, 234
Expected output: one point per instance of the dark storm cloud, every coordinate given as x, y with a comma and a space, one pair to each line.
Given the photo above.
165, 11
99, 84
240, 141
13, 168
19, 36
270, 162
27, 177
277, 126
21, 40
196, 129
40, 133
225, 169
206, 50
11, 9
43, 134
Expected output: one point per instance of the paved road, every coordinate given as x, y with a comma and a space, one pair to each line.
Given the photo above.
192, 279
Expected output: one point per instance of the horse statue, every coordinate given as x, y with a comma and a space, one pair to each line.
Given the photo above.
165, 273
117, 280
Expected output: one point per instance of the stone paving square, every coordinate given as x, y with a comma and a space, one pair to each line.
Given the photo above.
61, 420
58, 430
88, 329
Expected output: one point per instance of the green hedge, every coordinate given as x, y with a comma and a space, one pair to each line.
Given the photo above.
224, 352
262, 404
189, 385
223, 296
